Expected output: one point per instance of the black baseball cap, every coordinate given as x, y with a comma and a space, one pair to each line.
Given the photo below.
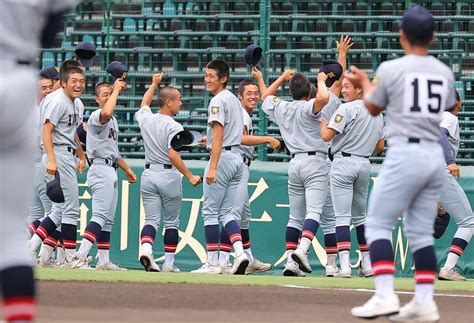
51, 72
54, 190
85, 51
332, 69
118, 70
253, 56
418, 24
182, 138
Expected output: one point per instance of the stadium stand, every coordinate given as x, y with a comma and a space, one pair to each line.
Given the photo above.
180, 37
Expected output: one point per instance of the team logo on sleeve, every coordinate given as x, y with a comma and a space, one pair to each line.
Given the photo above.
215, 110
375, 81
275, 100
338, 118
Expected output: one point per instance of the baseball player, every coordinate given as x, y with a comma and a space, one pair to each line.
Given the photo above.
102, 150
355, 134
249, 96
453, 198
19, 46
224, 170
61, 113
161, 184
414, 90
41, 202
299, 123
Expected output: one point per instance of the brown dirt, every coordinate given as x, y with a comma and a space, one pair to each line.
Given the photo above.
140, 302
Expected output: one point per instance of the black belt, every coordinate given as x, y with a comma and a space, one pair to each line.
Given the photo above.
247, 161
349, 155
21, 62
412, 140
310, 153
165, 166
108, 162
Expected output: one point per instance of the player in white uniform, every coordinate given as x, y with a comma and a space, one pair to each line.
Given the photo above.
161, 183
354, 134
414, 91
61, 113
25, 26
249, 96
41, 202
453, 198
102, 151
224, 170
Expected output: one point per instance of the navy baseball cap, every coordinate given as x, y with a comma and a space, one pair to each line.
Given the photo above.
118, 70
253, 56
418, 24
53, 189
332, 69
51, 72
85, 51
181, 139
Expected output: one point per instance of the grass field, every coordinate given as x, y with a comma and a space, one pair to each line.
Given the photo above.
255, 280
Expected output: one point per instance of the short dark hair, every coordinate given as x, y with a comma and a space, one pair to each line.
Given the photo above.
168, 92
44, 77
221, 67
101, 85
245, 83
68, 67
300, 86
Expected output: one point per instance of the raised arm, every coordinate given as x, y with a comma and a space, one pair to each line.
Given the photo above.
322, 96
148, 96
285, 77
108, 110
342, 46
258, 76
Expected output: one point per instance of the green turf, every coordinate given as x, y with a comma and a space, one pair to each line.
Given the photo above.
261, 280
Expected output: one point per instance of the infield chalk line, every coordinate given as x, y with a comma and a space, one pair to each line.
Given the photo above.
371, 291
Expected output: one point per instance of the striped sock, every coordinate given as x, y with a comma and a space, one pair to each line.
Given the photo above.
331, 249
455, 251
103, 247
171, 241
425, 274
246, 242
233, 231
310, 227
42, 232
33, 226
211, 233
147, 238
89, 238
18, 294
381, 256
292, 236
343, 237
225, 247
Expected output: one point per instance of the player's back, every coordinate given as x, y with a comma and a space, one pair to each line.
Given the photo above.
415, 90
102, 139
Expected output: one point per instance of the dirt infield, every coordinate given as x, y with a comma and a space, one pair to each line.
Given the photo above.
138, 302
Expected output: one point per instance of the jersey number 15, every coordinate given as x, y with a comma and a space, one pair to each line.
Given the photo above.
424, 95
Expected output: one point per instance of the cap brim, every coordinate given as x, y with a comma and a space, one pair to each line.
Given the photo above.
196, 137
86, 62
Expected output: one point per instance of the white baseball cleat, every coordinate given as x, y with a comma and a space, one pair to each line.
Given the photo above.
301, 259
365, 272
257, 266
292, 269
170, 269
148, 262
109, 266
49, 263
332, 271
347, 273
227, 268
208, 269
450, 274
377, 306
78, 263
240, 265
413, 312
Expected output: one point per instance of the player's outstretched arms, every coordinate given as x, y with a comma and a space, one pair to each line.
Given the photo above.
131, 176
285, 77
249, 140
148, 96
176, 160
258, 76
322, 96
109, 107
343, 46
